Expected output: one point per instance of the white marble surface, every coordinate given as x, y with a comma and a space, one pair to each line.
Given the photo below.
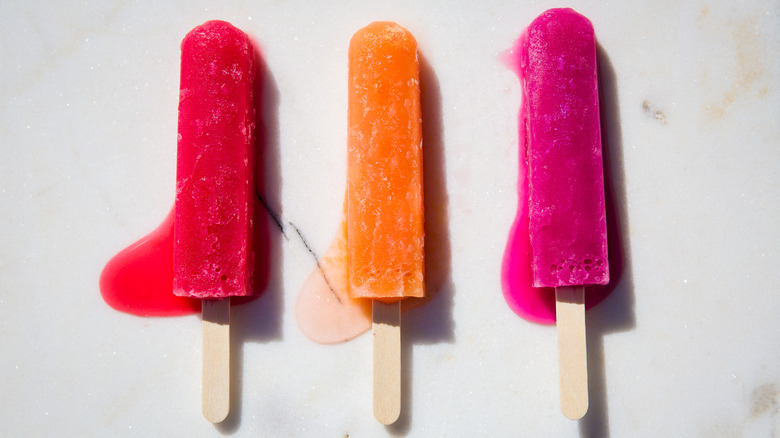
688, 346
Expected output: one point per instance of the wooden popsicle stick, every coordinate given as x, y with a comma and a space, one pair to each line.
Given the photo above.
216, 359
387, 361
572, 350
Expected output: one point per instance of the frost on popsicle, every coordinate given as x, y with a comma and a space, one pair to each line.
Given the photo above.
213, 254
384, 177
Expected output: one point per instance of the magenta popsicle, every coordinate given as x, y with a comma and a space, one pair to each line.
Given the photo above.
568, 224
566, 210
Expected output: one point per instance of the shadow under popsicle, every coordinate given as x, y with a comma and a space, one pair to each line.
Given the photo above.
431, 322
260, 320
616, 313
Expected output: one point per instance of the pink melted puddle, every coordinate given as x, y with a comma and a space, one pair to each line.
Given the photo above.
324, 311
537, 304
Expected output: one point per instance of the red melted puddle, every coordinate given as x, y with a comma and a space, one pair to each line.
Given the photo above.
537, 304
139, 280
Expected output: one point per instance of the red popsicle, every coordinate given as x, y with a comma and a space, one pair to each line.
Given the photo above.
213, 256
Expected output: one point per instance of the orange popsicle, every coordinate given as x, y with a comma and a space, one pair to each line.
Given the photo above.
384, 178
385, 232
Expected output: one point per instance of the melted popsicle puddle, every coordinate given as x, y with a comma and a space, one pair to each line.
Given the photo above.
139, 279
324, 311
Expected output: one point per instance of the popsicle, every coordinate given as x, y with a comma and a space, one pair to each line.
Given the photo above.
213, 255
567, 220
384, 193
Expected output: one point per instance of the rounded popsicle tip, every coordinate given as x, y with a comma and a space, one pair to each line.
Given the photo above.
214, 27
382, 35
215, 36
566, 18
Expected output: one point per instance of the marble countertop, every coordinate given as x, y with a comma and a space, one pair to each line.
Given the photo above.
687, 345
